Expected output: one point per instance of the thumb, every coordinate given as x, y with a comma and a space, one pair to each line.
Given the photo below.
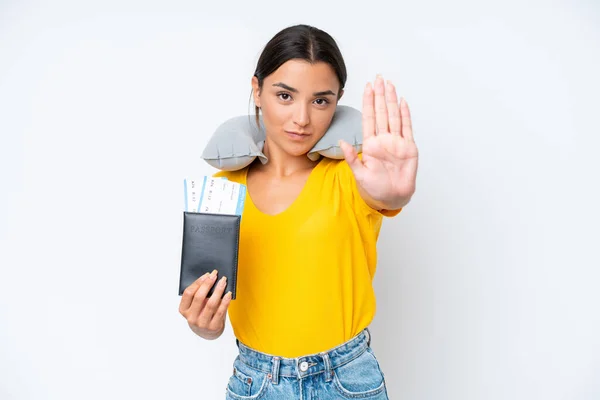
352, 159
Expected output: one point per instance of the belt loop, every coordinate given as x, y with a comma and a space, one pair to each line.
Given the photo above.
328, 370
275, 371
368, 334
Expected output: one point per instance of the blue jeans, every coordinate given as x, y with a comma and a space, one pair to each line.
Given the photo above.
348, 371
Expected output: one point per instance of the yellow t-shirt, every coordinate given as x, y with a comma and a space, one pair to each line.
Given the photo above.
304, 281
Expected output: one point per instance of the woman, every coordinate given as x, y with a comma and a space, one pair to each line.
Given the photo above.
307, 252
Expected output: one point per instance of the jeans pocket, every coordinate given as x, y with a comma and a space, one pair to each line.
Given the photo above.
360, 378
246, 382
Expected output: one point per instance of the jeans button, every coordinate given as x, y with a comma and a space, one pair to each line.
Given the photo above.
303, 366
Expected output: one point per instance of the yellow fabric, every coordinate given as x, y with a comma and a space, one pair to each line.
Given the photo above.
304, 280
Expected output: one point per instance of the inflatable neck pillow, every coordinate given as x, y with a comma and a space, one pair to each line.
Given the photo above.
238, 141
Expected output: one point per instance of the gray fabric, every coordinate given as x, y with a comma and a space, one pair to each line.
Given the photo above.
346, 124
237, 142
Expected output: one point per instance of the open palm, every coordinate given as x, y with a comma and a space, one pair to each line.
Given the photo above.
388, 169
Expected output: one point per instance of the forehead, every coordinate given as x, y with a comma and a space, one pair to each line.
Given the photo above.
303, 75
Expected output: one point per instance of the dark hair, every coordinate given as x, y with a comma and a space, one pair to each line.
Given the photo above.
302, 42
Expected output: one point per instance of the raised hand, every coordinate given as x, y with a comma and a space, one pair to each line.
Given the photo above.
387, 172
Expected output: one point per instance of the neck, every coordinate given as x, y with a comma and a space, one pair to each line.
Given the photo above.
282, 164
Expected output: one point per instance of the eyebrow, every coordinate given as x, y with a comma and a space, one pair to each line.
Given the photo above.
291, 89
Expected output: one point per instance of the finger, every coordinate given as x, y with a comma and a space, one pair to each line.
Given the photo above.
392, 109
381, 115
368, 113
198, 301
219, 316
352, 159
407, 131
189, 292
213, 303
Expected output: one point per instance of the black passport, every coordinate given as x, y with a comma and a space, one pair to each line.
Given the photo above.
210, 241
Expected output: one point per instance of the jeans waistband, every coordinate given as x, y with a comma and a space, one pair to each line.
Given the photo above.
298, 367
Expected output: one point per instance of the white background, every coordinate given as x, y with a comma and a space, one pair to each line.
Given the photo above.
487, 283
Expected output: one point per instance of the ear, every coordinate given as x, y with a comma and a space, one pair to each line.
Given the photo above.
255, 91
341, 94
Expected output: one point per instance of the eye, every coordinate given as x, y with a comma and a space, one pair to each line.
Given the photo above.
323, 101
283, 94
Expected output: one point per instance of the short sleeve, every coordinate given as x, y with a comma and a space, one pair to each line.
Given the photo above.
221, 174
349, 183
234, 176
390, 213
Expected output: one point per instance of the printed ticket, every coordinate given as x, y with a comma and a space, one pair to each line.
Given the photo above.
214, 195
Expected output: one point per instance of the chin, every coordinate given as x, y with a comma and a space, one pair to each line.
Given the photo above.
300, 148
296, 151
296, 148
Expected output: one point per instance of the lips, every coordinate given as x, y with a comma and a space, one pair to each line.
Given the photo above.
297, 136
298, 133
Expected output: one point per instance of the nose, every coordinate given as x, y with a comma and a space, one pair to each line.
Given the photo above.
301, 115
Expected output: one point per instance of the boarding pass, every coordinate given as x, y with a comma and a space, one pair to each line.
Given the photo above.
214, 195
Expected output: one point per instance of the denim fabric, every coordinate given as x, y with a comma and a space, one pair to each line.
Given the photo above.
348, 371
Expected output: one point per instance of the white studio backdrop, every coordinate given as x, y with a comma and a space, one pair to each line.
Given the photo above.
486, 282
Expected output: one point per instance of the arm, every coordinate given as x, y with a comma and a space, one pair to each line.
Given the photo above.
392, 205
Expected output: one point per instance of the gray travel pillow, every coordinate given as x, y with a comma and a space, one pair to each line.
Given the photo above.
238, 141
